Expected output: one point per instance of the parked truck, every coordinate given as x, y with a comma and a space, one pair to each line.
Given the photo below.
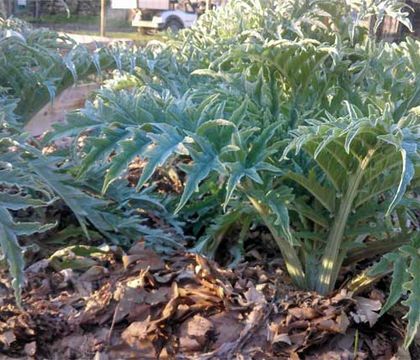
164, 14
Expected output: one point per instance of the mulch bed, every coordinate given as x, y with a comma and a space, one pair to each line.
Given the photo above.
138, 305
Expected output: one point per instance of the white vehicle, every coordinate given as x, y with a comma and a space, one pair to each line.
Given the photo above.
163, 14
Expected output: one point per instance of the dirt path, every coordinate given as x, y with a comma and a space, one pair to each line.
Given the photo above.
88, 39
71, 98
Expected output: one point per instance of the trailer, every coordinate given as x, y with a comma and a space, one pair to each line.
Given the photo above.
171, 15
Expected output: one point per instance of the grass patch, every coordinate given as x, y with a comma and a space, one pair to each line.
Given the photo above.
62, 19
77, 21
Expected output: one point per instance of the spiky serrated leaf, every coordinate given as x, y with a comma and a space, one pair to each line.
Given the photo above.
129, 150
83, 206
304, 210
277, 204
413, 301
74, 125
11, 249
408, 152
18, 201
162, 147
203, 164
237, 172
13, 253
239, 114
102, 147
321, 193
399, 277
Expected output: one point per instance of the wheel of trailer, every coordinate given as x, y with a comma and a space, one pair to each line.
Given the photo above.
174, 25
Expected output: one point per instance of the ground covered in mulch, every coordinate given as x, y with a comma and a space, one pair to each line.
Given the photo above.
101, 303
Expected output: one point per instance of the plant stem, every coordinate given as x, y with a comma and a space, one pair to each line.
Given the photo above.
401, 220
375, 248
330, 260
364, 280
291, 259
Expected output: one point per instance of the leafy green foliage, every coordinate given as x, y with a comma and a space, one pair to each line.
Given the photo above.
18, 188
31, 180
406, 268
37, 64
34, 67
284, 115
356, 156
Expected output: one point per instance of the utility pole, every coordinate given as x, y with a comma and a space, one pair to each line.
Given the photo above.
103, 17
11, 8
37, 10
3, 9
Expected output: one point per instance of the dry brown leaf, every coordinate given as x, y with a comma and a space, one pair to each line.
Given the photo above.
366, 310
83, 288
137, 331
338, 325
299, 338
199, 294
139, 312
182, 311
146, 351
304, 313
197, 328
101, 356
94, 273
187, 274
164, 278
342, 295
377, 294
7, 338
284, 338
30, 349
227, 326
294, 356
137, 282
253, 296
165, 355
129, 259
299, 324
75, 346
202, 265
96, 304
38, 266
144, 258
128, 298
158, 296
188, 344
169, 309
